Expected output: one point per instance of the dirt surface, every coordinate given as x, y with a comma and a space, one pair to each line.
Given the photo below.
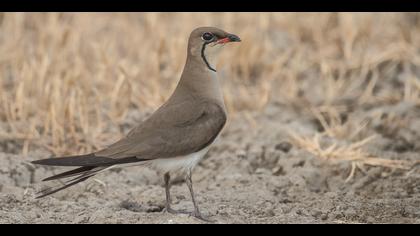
253, 174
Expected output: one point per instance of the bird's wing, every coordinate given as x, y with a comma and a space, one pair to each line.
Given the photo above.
174, 130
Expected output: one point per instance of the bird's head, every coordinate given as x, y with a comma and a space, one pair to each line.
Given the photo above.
205, 43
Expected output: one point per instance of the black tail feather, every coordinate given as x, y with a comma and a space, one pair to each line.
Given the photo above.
70, 173
88, 165
85, 160
50, 191
83, 173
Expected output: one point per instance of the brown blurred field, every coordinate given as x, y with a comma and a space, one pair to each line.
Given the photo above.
67, 78
75, 82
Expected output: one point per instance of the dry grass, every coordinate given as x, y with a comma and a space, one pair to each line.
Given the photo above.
344, 141
65, 79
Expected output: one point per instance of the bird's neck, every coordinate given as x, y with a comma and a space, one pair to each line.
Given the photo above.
199, 82
209, 57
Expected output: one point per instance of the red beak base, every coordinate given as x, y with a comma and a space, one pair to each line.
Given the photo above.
223, 40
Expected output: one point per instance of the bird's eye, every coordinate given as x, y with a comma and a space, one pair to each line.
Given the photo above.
207, 36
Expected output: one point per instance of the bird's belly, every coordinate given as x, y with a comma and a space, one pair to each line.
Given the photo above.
180, 164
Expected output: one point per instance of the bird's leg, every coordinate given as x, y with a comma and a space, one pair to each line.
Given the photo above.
196, 212
167, 179
168, 208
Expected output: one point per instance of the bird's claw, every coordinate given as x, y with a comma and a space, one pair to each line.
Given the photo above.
199, 216
175, 212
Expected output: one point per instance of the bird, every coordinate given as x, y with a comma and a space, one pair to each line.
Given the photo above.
174, 138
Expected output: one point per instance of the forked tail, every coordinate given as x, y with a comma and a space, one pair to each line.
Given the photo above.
88, 166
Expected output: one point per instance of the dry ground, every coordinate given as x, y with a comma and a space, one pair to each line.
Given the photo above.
324, 115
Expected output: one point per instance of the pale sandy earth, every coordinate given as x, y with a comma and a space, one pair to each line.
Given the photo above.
249, 176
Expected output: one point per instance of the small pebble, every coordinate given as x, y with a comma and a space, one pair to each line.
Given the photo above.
284, 146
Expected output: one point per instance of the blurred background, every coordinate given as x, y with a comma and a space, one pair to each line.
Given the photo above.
324, 115
70, 81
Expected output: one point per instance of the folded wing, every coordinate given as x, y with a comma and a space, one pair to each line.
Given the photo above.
174, 130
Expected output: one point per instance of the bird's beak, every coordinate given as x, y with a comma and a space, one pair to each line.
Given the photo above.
228, 39
234, 38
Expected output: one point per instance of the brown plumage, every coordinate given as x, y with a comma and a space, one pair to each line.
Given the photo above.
177, 135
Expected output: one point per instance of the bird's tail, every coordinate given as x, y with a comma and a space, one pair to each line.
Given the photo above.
85, 160
81, 173
88, 166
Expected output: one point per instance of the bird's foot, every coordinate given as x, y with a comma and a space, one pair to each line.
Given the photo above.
199, 216
175, 212
195, 214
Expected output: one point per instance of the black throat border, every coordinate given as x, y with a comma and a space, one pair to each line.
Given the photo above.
204, 57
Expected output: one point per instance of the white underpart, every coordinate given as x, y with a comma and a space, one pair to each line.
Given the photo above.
178, 165
173, 165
